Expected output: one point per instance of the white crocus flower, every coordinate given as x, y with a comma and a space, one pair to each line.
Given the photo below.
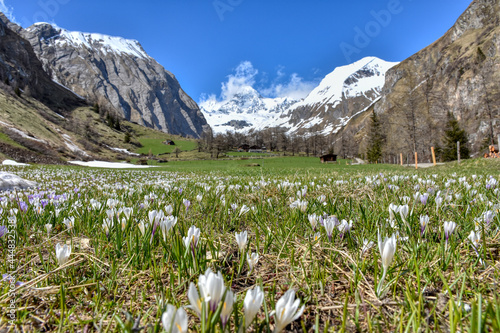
344, 226
287, 310
387, 248
244, 209
252, 261
211, 288
142, 227
69, 222
169, 210
128, 212
111, 213
107, 224
241, 239
313, 220
227, 308
367, 245
166, 224
192, 237
48, 227
449, 227
403, 211
475, 238
195, 300
175, 320
439, 202
392, 210
62, 253
252, 303
329, 224
424, 221
302, 206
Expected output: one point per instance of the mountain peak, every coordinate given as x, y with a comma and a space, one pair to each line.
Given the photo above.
117, 74
341, 94
95, 41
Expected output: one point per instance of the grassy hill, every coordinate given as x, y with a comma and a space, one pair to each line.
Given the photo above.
31, 132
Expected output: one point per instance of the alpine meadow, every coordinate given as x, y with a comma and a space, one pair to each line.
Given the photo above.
250, 166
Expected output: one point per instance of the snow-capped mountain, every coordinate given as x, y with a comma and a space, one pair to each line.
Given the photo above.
119, 75
100, 42
342, 94
246, 110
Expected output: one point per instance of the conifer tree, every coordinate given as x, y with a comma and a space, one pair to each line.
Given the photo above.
452, 135
110, 121
375, 139
96, 108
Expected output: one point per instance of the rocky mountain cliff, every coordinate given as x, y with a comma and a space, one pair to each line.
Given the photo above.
20, 68
119, 75
459, 73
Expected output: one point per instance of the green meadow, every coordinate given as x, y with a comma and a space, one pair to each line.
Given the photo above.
281, 244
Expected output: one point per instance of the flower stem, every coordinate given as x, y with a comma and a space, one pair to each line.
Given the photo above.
381, 283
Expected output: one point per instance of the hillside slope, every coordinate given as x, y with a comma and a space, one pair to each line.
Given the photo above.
459, 73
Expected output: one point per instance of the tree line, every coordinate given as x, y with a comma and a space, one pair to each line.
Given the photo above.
275, 140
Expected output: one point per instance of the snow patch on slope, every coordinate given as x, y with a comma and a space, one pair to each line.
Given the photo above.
71, 146
110, 165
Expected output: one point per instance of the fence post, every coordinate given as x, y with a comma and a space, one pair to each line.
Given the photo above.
433, 156
458, 151
416, 161
401, 158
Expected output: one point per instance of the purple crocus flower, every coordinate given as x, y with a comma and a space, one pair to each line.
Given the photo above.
423, 198
8, 278
186, 203
3, 230
23, 206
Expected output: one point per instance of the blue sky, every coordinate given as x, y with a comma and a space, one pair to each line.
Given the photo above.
277, 45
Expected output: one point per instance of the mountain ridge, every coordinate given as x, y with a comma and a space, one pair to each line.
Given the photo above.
342, 93
117, 74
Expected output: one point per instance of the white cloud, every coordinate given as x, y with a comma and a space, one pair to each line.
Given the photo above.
245, 75
7, 10
295, 88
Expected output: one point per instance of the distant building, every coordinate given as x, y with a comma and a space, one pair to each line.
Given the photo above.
243, 147
329, 158
169, 142
256, 149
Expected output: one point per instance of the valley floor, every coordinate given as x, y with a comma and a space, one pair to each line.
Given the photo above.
284, 244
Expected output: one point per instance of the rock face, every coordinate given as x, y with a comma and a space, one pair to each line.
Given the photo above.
119, 75
20, 68
459, 73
